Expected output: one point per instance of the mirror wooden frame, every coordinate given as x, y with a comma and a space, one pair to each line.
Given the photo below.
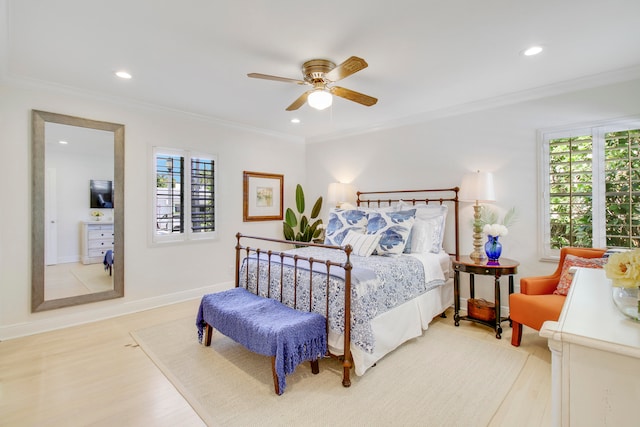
38, 120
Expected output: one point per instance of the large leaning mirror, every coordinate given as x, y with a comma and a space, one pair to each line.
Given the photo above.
77, 211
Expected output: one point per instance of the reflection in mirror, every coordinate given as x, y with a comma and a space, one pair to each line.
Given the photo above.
78, 211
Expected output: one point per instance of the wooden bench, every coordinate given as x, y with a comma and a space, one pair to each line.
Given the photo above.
265, 326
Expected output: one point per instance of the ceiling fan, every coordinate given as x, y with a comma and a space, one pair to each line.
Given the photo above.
321, 73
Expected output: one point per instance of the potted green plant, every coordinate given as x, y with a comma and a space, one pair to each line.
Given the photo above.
299, 228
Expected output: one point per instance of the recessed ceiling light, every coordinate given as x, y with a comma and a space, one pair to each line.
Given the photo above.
63, 142
294, 120
533, 50
123, 75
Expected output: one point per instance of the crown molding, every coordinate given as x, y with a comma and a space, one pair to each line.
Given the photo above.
568, 86
30, 84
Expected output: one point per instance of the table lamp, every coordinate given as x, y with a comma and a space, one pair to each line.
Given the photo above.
477, 187
339, 193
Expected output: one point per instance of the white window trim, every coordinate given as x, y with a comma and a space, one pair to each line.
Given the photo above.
188, 235
597, 131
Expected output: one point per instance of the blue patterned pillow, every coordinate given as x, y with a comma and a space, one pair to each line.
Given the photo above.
394, 228
341, 221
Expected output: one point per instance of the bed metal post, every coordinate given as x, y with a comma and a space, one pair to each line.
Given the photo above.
456, 208
238, 247
347, 362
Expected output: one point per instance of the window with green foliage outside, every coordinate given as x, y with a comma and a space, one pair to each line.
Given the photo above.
593, 189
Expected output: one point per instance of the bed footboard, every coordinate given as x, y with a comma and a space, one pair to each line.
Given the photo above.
281, 257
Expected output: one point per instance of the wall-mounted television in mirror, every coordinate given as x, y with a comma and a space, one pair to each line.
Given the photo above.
101, 194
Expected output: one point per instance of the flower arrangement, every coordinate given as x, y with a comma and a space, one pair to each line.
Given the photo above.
495, 230
623, 268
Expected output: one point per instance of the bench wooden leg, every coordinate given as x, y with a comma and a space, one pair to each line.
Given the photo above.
276, 384
208, 331
315, 369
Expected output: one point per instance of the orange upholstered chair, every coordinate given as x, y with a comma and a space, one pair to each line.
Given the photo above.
536, 303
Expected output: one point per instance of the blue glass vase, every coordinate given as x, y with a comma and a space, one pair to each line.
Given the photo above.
493, 248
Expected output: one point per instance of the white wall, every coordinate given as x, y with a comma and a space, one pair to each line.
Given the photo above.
153, 275
436, 154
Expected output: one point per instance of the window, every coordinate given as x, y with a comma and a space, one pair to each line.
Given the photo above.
184, 196
591, 187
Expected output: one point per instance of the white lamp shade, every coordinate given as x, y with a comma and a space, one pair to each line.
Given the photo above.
477, 187
320, 99
339, 193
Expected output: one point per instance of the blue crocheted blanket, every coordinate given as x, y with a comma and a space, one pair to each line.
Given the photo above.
265, 326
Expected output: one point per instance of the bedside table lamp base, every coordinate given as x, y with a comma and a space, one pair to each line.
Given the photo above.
478, 251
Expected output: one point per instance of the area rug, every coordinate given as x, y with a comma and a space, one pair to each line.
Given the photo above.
94, 277
443, 378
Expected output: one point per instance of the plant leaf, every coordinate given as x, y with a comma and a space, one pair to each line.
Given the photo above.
315, 231
510, 217
288, 231
316, 208
290, 218
299, 199
307, 236
304, 224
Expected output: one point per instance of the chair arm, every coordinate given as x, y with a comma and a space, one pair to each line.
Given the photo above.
540, 285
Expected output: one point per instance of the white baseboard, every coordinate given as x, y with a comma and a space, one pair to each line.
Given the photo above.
94, 313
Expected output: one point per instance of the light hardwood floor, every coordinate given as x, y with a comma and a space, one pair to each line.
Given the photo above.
63, 280
95, 374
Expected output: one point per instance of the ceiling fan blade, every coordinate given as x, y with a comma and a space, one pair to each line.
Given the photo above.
276, 78
348, 67
299, 102
354, 96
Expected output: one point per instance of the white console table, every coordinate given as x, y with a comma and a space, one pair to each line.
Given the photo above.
595, 357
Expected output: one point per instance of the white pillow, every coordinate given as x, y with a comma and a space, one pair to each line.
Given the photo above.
435, 217
362, 244
394, 228
341, 221
424, 237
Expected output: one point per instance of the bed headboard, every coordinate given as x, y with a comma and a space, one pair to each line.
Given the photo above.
439, 195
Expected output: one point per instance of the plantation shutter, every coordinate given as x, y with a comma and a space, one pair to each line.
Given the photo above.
571, 191
622, 188
169, 196
202, 195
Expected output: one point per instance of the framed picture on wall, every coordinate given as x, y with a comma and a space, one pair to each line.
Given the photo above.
262, 196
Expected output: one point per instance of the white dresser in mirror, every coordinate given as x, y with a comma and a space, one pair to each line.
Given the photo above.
595, 363
97, 239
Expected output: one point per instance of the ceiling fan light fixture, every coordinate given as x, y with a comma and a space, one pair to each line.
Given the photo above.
320, 73
320, 99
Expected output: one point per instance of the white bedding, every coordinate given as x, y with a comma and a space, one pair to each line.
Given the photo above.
402, 323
